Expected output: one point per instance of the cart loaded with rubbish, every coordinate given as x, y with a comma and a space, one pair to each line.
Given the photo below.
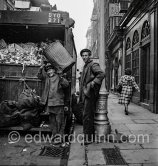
26, 38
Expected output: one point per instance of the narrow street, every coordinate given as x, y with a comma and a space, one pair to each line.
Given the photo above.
141, 148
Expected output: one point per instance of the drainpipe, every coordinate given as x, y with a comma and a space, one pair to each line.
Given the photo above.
101, 121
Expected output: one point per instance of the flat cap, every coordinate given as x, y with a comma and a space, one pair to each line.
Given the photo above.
48, 66
85, 50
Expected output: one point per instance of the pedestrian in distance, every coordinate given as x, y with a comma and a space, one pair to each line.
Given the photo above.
128, 85
90, 83
53, 98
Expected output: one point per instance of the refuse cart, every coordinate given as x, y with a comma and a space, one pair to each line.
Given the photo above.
21, 33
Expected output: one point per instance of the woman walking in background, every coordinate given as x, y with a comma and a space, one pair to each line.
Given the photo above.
128, 84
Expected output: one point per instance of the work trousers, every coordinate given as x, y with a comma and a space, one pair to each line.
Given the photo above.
57, 120
89, 108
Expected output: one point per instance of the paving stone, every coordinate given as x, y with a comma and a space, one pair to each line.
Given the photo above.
153, 137
138, 132
42, 160
128, 146
77, 155
142, 136
139, 138
140, 156
96, 158
126, 133
76, 151
121, 121
140, 127
99, 146
156, 120
150, 145
77, 162
144, 121
155, 127
120, 127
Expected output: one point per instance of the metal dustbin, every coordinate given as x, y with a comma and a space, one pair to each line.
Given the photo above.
58, 56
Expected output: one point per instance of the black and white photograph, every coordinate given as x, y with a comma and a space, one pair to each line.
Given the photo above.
79, 82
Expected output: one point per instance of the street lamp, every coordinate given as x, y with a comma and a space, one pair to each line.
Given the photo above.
101, 121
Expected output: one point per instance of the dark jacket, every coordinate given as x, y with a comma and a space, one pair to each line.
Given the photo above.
53, 89
91, 72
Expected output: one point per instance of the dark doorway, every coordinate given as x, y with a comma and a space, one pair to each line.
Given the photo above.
145, 75
116, 65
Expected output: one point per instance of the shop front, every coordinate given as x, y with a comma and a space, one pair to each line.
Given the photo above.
140, 50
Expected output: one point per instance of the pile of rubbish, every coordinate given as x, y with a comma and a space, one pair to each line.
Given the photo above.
21, 53
25, 112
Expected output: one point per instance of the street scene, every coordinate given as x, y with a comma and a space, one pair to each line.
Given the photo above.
78, 82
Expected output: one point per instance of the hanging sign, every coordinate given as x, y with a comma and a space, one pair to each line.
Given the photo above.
114, 10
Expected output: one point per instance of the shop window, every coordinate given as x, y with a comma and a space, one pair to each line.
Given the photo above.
128, 61
135, 65
128, 43
135, 38
145, 30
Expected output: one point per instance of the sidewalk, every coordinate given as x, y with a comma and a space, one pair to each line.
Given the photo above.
137, 151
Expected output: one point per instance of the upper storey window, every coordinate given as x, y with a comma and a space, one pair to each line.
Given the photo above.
135, 38
145, 30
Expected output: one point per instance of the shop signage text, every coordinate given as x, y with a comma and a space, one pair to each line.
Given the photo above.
114, 10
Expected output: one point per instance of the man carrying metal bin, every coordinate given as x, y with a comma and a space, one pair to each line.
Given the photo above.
53, 99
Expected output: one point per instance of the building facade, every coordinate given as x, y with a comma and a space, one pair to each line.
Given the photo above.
140, 49
113, 43
92, 32
133, 44
131, 36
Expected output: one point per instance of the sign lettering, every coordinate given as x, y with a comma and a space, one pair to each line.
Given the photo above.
54, 18
114, 10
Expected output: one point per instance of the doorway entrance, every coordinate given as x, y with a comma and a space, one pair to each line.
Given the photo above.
145, 74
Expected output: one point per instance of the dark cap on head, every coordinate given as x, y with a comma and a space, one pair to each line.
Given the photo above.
85, 50
48, 66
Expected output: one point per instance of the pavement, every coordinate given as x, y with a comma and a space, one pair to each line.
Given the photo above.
140, 127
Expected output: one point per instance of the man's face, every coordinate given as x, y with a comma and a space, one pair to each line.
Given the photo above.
85, 56
51, 72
